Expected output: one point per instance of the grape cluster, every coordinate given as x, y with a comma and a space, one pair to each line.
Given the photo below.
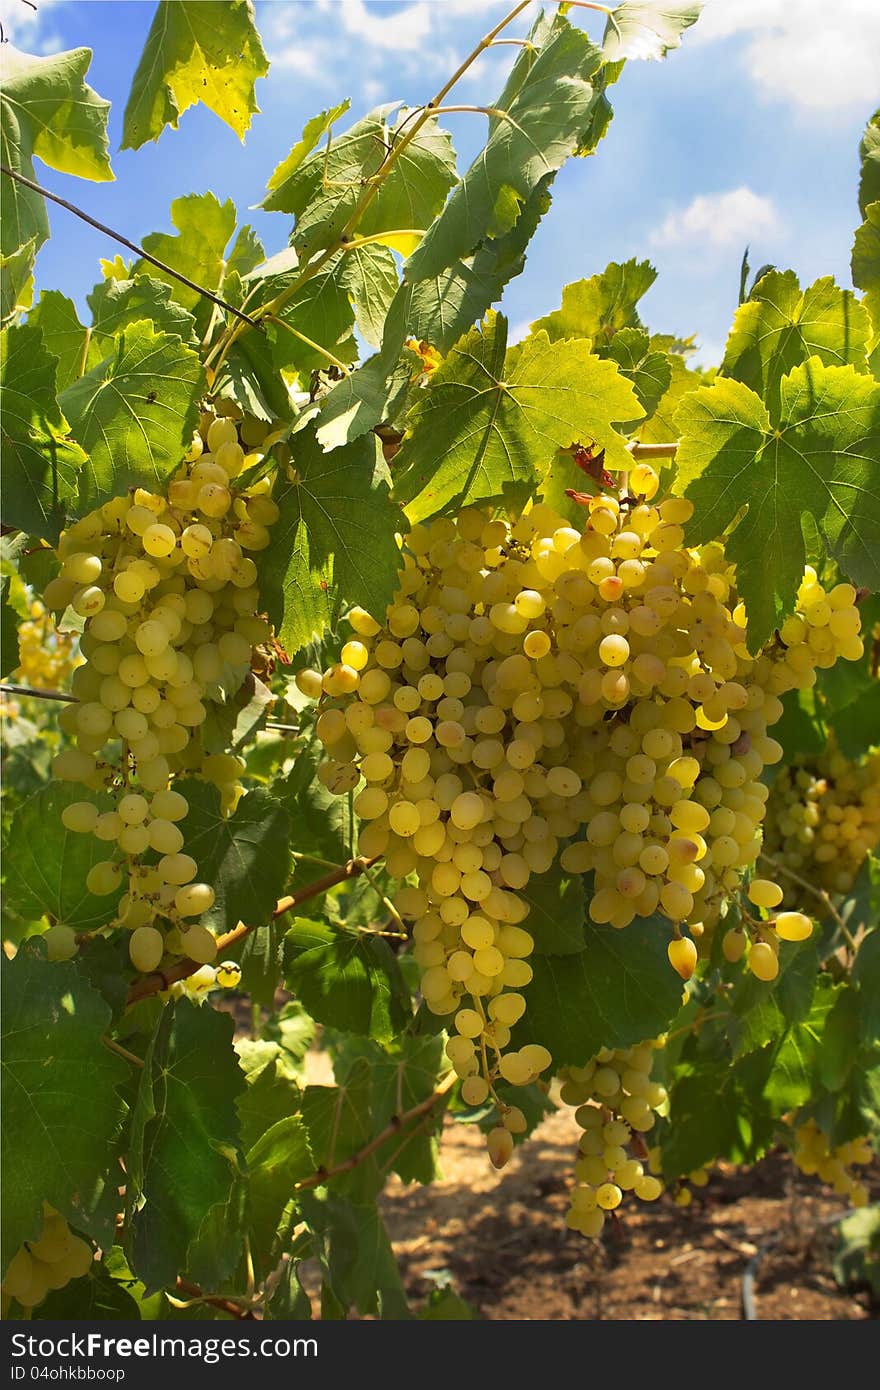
537, 688
814, 1155
167, 587
617, 1102
760, 936
48, 1263
823, 818
47, 658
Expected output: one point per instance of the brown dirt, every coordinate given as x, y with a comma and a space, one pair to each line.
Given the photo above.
499, 1241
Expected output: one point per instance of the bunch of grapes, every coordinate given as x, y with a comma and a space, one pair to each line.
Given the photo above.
823, 818
537, 688
167, 586
47, 657
813, 1153
48, 1263
760, 935
617, 1103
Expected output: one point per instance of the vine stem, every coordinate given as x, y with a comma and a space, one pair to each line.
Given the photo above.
652, 451
394, 1126
820, 893
163, 979
130, 245
226, 1305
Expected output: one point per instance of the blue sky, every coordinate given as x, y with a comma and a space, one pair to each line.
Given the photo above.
748, 133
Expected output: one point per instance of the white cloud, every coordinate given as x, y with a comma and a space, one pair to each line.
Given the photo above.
518, 331
708, 353
27, 29
719, 219
819, 55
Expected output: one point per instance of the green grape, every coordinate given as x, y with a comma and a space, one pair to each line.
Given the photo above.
146, 947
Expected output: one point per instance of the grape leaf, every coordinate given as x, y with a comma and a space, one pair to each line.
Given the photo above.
9, 621
440, 309
556, 912
135, 412
196, 50
204, 228
47, 865
356, 1256
647, 28
339, 1122
61, 1108
660, 428
245, 856
64, 337
279, 1159
617, 991
869, 155
369, 276
347, 979
48, 112
272, 1092
319, 820
17, 281
189, 1085
866, 262
116, 304
650, 371
403, 1076
822, 460
333, 542
41, 464
778, 328
598, 307
321, 187
96, 1297
491, 421
535, 125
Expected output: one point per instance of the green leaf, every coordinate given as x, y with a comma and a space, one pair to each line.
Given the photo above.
350, 980
764, 1011
356, 1255
47, 865
660, 427
869, 155
204, 227
196, 50
779, 328
491, 421
556, 912
649, 371
97, 1297
135, 412
599, 307
245, 856
339, 1122
403, 1076
702, 1120
647, 28
321, 310
546, 104
64, 337
61, 1110
116, 304
272, 1093
279, 1159
48, 113
321, 187
319, 820
617, 991
361, 399
822, 459
17, 281
41, 465
866, 977
288, 1299
839, 1044
866, 261
333, 543
369, 276
189, 1139
440, 309
216, 1252
9, 621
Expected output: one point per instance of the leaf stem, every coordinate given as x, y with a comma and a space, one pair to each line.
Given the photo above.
316, 347
652, 451
122, 1051
226, 1305
394, 1126
130, 245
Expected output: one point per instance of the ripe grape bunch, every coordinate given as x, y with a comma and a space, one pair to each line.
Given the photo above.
814, 1153
617, 1103
823, 818
48, 1263
168, 590
537, 690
